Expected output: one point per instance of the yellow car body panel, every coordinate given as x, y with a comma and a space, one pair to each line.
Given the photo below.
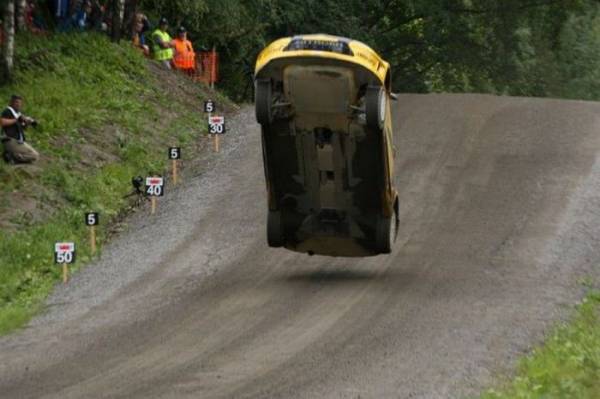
364, 55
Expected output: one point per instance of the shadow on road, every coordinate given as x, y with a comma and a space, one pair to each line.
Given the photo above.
344, 275
332, 276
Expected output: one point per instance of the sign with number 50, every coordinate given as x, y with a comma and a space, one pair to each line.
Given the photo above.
64, 253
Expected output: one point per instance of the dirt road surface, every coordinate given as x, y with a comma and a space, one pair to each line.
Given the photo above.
500, 218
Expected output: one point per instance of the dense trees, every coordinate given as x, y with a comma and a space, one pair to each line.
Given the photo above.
520, 47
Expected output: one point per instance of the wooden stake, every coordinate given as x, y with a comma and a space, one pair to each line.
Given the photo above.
153, 202
93, 239
209, 116
213, 68
216, 142
65, 273
174, 172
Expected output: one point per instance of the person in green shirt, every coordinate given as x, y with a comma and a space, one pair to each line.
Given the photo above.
162, 44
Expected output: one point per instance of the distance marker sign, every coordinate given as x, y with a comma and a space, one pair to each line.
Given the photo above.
155, 186
64, 253
216, 124
92, 219
174, 153
209, 106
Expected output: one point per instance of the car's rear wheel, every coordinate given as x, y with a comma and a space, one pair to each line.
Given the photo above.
385, 234
263, 101
275, 237
376, 104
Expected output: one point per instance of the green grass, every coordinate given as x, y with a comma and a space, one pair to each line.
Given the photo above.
84, 90
566, 366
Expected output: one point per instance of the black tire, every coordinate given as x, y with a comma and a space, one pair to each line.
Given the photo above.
263, 100
376, 107
385, 234
275, 236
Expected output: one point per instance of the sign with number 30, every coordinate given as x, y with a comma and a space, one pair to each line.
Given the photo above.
216, 125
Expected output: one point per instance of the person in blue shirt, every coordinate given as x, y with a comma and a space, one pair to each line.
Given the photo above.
81, 19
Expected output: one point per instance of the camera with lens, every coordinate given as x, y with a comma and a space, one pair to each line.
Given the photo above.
28, 121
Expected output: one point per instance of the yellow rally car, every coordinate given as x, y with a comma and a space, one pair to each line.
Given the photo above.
323, 104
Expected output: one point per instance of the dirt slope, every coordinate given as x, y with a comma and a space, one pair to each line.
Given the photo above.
500, 218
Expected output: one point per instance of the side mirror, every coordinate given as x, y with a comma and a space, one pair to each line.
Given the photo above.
394, 96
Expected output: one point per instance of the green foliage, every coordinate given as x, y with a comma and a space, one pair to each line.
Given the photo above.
578, 57
61, 79
514, 47
85, 91
567, 366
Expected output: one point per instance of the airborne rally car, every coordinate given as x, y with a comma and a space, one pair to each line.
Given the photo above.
323, 104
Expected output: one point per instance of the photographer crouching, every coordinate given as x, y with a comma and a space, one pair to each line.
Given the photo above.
14, 124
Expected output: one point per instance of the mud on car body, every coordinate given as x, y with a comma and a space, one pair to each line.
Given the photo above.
324, 106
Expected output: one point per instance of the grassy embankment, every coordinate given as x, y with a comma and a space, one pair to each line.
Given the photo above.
105, 116
566, 366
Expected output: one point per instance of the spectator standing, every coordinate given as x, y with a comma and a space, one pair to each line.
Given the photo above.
141, 26
162, 44
96, 17
34, 18
81, 18
60, 9
14, 124
185, 58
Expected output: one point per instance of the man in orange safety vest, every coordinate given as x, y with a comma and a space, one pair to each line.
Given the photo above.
185, 58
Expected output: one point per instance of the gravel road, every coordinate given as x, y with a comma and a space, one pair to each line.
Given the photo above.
500, 219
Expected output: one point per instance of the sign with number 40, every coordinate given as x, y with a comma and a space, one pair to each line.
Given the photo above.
154, 186
64, 253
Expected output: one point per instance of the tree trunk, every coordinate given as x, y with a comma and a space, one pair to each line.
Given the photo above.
8, 46
128, 27
117, 19
21, 6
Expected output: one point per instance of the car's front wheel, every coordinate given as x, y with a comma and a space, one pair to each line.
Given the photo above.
275, 237
376, 107
385, 234
263, 101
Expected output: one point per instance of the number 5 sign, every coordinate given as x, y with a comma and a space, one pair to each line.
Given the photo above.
64, 253
216, 124
92, 219
154, 186
209, 106
174, 153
